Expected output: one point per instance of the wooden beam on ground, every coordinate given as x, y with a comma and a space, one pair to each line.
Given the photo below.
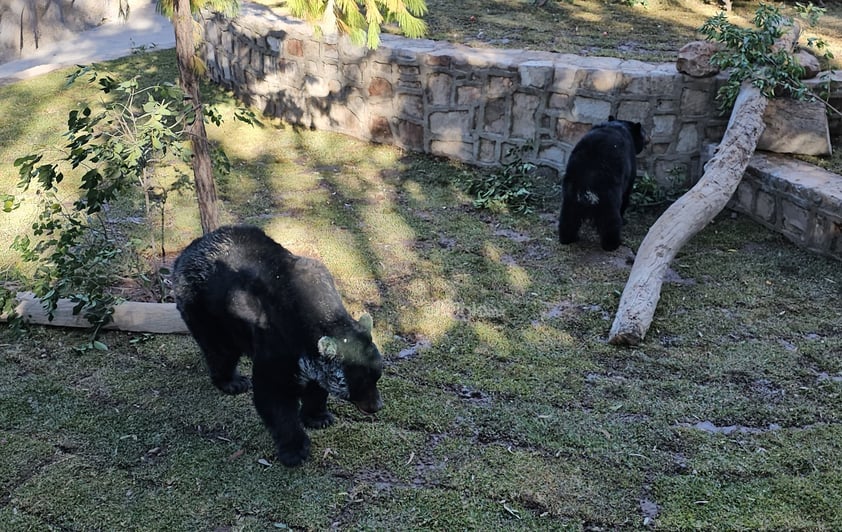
161, 318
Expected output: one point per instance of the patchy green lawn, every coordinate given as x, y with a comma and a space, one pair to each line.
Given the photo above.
505, 406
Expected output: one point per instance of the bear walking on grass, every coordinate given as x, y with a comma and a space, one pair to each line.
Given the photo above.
599, 179
241, 293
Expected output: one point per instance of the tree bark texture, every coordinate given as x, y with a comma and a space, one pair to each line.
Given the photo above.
201, 161
687, 216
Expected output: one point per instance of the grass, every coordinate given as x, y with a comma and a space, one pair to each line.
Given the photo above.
652, 30
505, 406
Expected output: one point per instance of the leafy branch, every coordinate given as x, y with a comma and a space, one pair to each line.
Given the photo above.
751, 54
112, 149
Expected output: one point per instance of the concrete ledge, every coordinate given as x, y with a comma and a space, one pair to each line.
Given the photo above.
799, 200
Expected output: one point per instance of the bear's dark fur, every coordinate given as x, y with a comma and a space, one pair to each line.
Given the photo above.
240, 292
599, 179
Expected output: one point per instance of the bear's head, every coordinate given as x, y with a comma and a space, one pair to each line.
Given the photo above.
638, 134
352, 365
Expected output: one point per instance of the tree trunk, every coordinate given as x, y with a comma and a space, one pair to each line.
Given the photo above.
158, 318
202, 168
689, 214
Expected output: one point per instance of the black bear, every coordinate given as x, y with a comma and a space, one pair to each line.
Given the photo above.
240, 292
599, 179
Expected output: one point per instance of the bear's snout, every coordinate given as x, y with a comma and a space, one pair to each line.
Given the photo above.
370, 404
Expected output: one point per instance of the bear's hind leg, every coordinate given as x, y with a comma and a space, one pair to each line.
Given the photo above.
277, 403
569, 220
609, 224
314, 412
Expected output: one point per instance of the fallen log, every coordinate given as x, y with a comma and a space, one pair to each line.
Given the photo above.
134, 316
687, 216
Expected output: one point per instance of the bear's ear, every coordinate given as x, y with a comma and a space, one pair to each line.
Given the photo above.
367, 322
328, 347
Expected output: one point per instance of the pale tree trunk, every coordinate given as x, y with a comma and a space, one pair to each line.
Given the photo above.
687, 216
158, 318
693, 211
202, 168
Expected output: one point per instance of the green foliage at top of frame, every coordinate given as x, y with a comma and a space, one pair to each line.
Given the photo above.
751, 55
112, 148
361, 21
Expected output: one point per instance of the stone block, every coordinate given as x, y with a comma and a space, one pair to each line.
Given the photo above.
659, 148
379, 88
571, 132
567, 78
603, 80
227, 41
345, 118
410, 135
634, 110
488, 151
439, 88
662, 125
408, 72
764, 207
524, 115
562, 102
311, 49
695, 102
288, 70
590, 110
438, 58
495, 116
269, 66
795, 127
380, 130
499, 86
743, 197
449, 125
467, 95
462, 151
294, 47
410, 105
795, 218
330, 51
536, 74
352, 74
553, 156
688, 139
350, 52
381, 69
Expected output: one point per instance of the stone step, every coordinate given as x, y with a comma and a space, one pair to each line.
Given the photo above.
799, 200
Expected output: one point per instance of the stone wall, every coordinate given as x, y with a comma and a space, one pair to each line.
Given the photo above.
27, 25
468, 104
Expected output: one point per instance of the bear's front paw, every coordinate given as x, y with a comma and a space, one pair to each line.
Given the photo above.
235, 386
317, 421
294, 454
